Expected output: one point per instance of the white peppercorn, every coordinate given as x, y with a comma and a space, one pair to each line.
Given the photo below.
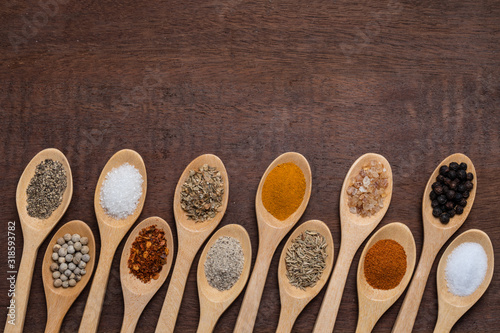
84, 250
72, 282
71, 249
65, 246
76, 260
56, 248
86, 258
77, 271
79, 255
71, 266
82, 264
78, 278
56, 275
77, 246
84, 240
61, 260
55, 256
69, 257
60, 241
83, 272
67, 272
75, 238
67, 237
54, 267
58, 283
72, 276
69, 243
63, 278
62, 252
65, 284
63, 267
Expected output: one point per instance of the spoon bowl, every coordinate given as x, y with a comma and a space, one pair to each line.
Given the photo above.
452, 307
59, 300
137, 294
374, 302
191, 236
355, 229
271, 232
293, 299
435, 235
214, 302
112, 231
34, 232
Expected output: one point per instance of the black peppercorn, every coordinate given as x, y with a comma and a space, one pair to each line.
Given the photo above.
443, 208
442, 199
444, 218
450, 194
461, 188
458, 197
445, 189
462, 175
447, 181
453, 185
449, 205
463, 203
435, 184
436, 211
463, 166
470, 176
452, 174
454, 166
466, 194
434, 203
438, 189
433, 195
443, 170
451, 213
468, 185
459, 210
440, 178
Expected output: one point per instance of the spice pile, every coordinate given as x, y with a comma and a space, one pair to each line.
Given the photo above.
385, 264
466, 268
283, 190
121, 191
367, 191
148, 254
450, 191
224, 263
202, 193
70, 256
46, 188
306, 259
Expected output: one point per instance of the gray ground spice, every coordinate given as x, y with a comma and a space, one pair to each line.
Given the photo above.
224, 263
46, 189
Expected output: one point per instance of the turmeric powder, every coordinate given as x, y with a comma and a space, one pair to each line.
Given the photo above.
283, 190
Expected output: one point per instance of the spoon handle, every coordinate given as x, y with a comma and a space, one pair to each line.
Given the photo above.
55, 317
331, 302
208, 319
130, 318
288, 315
22, 289
444, 323
409, 310
93, 308
173, 299
250, 306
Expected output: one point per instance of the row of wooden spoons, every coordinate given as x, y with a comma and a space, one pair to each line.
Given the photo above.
355, 229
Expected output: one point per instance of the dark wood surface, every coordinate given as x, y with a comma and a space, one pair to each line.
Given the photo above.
248, 80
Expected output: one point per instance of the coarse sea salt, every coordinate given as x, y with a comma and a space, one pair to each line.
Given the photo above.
121, 191
466, 268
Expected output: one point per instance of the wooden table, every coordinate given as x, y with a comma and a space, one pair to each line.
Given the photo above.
248, 80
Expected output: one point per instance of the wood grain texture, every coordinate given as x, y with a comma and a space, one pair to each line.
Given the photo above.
414, 80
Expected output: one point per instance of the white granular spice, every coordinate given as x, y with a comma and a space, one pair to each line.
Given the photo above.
224, 263
465, 268
121, 191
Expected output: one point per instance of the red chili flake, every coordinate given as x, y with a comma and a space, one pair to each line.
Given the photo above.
148, 254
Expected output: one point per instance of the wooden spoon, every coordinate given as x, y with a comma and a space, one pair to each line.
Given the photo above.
191, 236
34, 232
112, 232
212, 301
271, 232
452, 307
136, 293
355, 229
374, 302
293, 299
59, 300
435, 235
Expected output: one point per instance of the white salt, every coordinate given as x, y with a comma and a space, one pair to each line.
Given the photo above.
121, 191
466, 268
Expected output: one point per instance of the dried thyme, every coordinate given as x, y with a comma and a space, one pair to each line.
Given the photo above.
202, 192
224, 263
46, 188
305, 259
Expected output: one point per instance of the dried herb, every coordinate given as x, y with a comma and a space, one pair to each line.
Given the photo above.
46, 188
148, 254
202, 192
306, 259
224, 263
